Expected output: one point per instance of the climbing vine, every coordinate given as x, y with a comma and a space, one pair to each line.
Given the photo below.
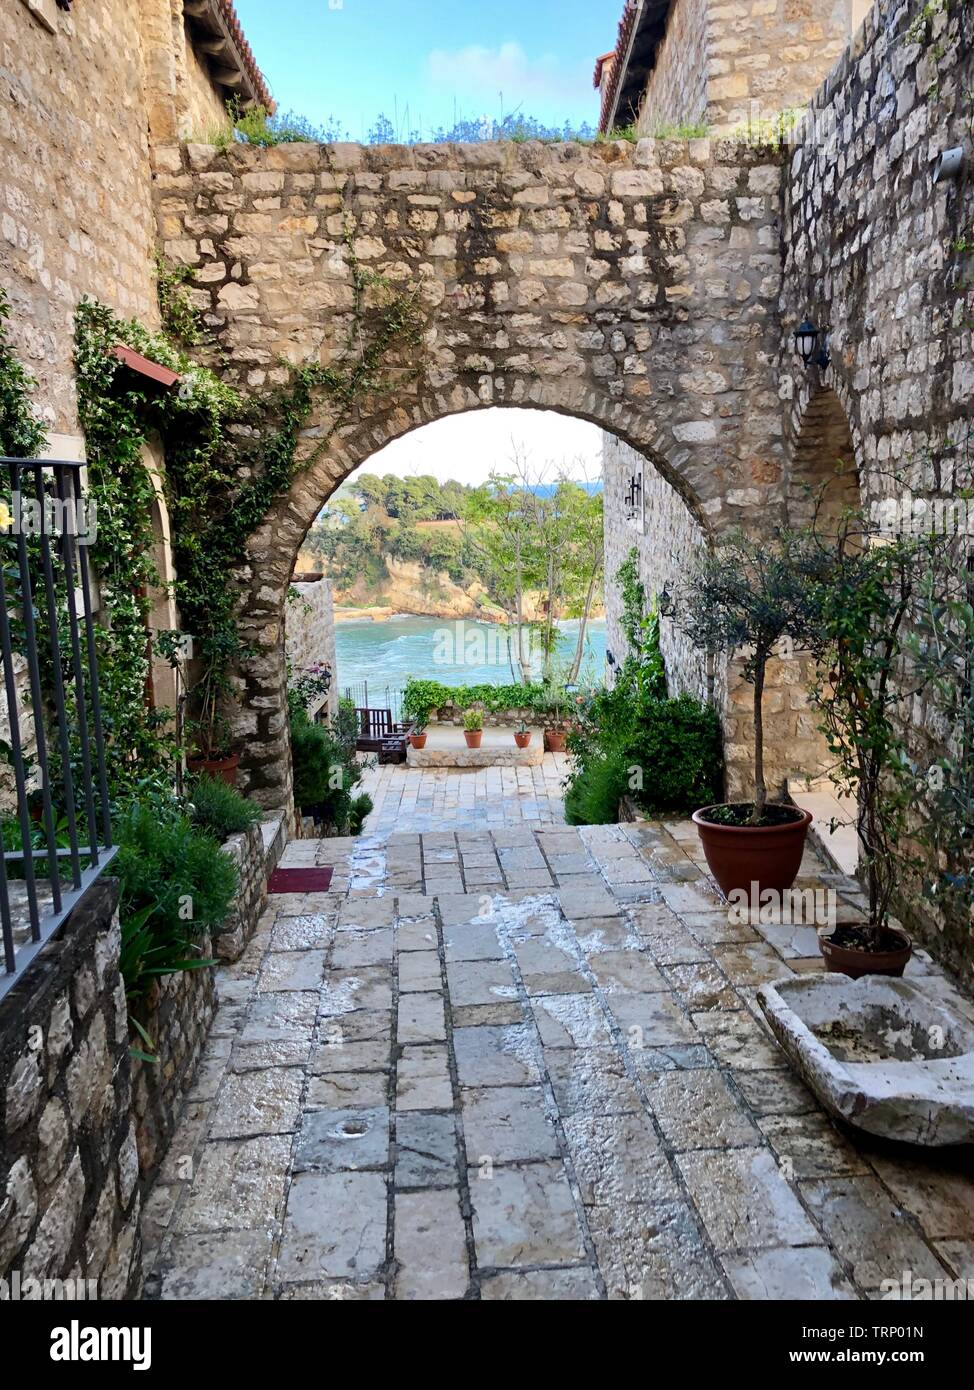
228, 455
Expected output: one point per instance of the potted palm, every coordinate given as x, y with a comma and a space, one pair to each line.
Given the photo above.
522, 735
744, 599
417, 734
473, 727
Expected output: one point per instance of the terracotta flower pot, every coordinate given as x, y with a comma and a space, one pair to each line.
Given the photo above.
417, 740
741, 855
554, 740
223, 768
847, 960
473, 737
522, 740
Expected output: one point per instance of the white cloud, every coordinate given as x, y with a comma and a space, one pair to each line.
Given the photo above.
475, 73
470, 446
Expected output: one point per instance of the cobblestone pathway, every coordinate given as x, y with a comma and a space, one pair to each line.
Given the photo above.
524, 1062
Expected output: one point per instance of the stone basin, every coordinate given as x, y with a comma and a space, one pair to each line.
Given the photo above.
880, 1053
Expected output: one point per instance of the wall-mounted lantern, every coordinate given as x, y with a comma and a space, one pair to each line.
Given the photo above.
634, 497
806, 344
664, 603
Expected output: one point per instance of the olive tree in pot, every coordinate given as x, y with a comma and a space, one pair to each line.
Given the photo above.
745, 597
868, 601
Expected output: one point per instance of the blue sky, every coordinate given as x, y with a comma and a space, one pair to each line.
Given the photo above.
353, 59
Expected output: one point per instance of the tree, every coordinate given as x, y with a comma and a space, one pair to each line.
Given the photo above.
745, 596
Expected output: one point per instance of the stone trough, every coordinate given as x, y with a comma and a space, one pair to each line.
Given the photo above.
879, 1053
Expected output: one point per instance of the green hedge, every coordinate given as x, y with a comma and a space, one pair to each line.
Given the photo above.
421, 698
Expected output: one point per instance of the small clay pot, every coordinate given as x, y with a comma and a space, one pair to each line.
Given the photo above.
522, 740
844, 960
223, 768
417, 740
473, 737
739, 856
554, 740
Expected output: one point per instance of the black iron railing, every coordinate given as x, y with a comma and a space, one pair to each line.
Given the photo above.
373, 695
57, 834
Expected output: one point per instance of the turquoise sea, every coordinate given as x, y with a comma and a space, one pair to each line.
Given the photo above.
386, 654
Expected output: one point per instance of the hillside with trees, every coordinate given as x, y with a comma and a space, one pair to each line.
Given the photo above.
515, 549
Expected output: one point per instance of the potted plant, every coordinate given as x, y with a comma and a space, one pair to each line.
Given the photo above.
554, 721
869, 599
473, 727
745, 597
417, 734
522, 735
213, 753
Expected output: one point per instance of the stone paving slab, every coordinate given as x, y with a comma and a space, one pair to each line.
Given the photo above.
439, 1081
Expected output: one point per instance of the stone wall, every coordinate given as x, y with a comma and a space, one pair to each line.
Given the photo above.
630, 285
179, 1011
177, 1015
69, 1169
76, 216
668, 540
256, 853
309, 637
736, 62
676, 92
871, 249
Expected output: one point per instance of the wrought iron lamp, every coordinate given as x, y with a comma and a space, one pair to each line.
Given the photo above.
806, 344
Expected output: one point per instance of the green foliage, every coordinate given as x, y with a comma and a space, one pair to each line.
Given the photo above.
676, 749
644, 660
176, 886
745, 597
473, 720
227, 458
422, 697
595, 788
219, 809
326, 771
22, 435
361, 806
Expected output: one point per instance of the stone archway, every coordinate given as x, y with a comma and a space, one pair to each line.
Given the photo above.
631, 285
261, 723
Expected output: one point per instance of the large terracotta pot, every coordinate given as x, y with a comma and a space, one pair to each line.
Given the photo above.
554, 740
473, 737
417, 740
742, 855
223, 768
845, 960
522, 740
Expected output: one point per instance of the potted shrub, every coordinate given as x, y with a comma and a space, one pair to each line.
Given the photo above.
522, 735
213, 753
417, 734
745, 597
868, 600
554, 721
473, 727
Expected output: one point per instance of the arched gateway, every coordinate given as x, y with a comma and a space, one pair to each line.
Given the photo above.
634, 286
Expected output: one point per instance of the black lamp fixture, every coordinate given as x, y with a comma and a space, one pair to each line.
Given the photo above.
610, 658
664, 603
634, 497
806, 344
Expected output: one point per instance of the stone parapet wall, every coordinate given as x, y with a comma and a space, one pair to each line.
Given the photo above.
69, 1167
179, 1011
256, 853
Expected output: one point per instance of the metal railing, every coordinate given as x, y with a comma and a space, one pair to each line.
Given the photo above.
372, 695
58, 839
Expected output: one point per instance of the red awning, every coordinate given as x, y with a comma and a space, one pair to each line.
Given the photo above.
144, 365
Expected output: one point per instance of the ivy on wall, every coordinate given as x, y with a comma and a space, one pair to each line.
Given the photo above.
228, 455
